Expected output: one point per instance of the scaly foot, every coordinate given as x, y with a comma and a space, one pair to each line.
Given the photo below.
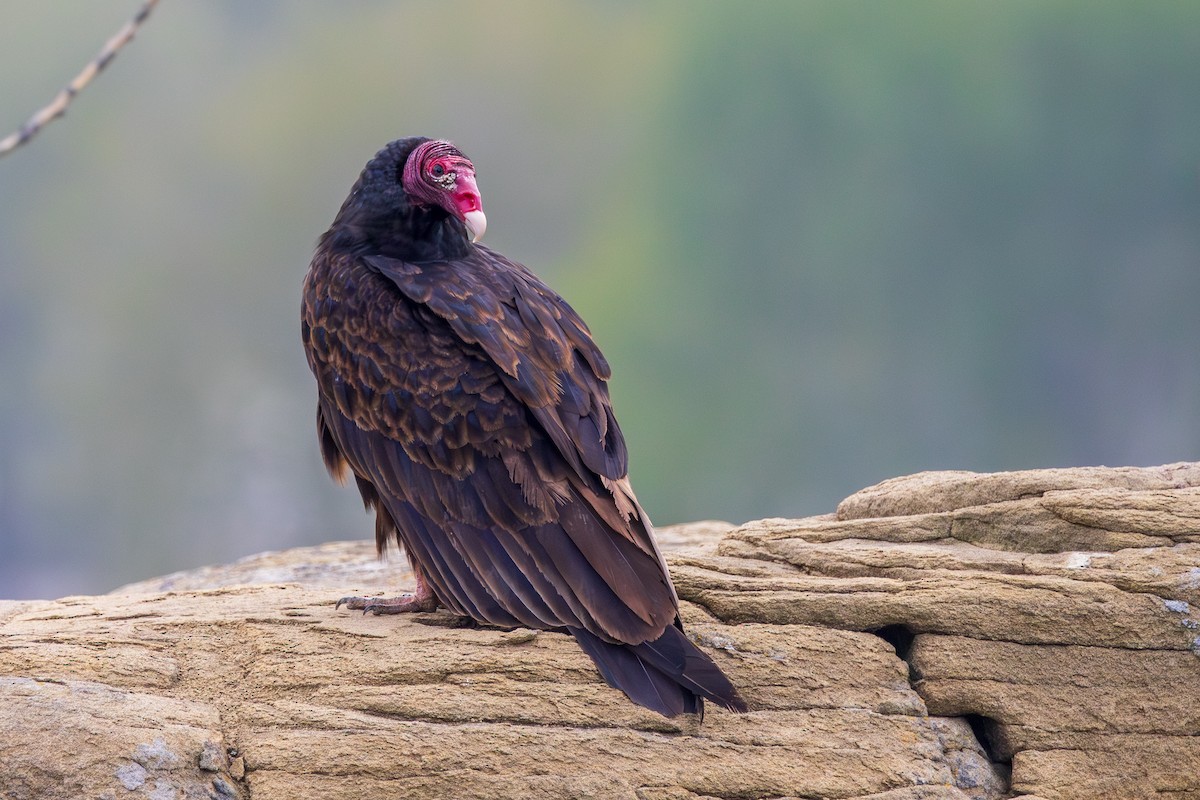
405, 603
420, 600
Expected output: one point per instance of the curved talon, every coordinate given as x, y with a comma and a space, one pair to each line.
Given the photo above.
376, 605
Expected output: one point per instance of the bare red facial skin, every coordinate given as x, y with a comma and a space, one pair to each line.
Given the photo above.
436, 173
466, 193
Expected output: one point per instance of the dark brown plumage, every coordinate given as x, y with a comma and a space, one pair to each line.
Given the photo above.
470, 404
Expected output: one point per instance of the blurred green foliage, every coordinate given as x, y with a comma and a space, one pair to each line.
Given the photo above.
822, 243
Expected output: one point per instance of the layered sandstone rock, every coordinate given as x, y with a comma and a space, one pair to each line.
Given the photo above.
945, 635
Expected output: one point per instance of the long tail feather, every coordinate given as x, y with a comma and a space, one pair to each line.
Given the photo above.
669, 675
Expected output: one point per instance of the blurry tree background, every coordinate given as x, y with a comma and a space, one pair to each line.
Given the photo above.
822, 243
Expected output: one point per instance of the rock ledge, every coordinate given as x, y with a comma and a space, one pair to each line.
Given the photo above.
943, 635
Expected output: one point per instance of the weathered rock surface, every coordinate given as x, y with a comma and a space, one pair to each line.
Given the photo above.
944, 635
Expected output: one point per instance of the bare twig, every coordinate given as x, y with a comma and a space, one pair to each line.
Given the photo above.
58, 106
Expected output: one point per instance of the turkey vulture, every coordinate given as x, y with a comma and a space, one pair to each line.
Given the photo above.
470, 404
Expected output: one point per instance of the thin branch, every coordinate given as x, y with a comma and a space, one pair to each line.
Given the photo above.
58, 106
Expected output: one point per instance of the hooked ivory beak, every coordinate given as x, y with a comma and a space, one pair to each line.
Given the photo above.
476, 224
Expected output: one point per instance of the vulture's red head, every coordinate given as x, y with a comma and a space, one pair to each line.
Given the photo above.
438, 174
416, 199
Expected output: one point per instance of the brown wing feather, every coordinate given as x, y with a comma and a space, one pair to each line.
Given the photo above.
469, 401
547, 359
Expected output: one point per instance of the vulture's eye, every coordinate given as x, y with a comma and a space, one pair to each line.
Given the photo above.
437, 171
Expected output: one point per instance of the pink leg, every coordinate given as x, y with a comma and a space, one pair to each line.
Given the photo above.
420, 600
